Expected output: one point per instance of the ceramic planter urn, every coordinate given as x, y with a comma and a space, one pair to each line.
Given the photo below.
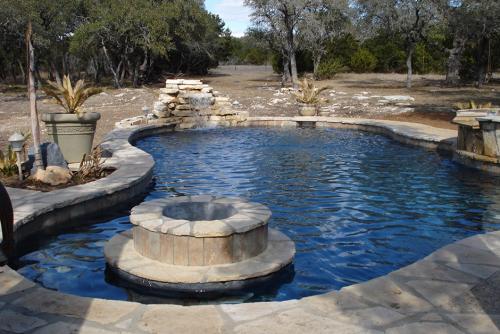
72, 132
308, 110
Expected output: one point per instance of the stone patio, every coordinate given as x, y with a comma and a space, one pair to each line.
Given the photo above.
453, 290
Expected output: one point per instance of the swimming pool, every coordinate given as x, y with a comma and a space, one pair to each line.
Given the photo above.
357, 205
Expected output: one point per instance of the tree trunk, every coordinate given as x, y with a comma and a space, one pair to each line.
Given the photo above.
455, 61
23, 73
293, 67
55, 73
97, 70
38, 77
286, 76
116, 79
481, 62
13, 73
123, 72
409, 75
316, 62
35, 125
135, 81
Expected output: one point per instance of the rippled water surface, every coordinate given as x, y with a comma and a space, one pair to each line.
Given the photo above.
357, 205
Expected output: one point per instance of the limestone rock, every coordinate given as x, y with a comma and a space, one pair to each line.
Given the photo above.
398, 98
160, 106
165, 98
51, 156
191, 87
174, 81
169, 91
160, 110
53, 175
192, 82
183, 107
222, 99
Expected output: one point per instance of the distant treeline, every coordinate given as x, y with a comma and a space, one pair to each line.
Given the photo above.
380, 54
139, 41
118, 40
458, 37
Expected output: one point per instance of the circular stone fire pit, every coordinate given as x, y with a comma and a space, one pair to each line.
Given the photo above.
198, 244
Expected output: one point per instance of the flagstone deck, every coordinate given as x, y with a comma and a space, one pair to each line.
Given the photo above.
453, 290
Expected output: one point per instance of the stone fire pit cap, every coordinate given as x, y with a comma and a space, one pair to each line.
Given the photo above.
200, 216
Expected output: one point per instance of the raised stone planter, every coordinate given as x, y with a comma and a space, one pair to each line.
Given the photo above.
471, 134
192, 242
490, 127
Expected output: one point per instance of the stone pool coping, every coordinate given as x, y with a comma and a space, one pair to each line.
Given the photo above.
247, 216
453, 290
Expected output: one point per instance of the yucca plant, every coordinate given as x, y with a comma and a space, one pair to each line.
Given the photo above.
472, 105
8, 160
69, 97
308, 93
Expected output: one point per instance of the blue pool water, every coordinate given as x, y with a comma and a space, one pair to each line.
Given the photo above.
357, 205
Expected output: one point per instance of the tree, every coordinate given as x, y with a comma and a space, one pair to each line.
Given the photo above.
472, 23
124, 39
35, 123
325, 20
281, 18
125, 34
410, 19
21, 17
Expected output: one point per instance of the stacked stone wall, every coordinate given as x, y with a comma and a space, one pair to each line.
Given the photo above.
189, 104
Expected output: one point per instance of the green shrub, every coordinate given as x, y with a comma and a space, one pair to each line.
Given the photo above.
363, 61
328, 69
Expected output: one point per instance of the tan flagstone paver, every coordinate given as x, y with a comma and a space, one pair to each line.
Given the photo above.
16, 322
425, 328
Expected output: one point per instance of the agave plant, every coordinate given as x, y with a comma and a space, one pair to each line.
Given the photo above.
308, 93
8, 160
473, 105
69, 97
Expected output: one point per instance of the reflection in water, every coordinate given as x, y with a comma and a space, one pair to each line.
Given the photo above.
357, 205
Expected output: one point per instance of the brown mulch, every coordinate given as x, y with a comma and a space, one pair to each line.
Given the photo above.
31, 184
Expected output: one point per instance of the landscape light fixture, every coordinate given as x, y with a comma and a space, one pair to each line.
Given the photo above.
146, 112
17, 143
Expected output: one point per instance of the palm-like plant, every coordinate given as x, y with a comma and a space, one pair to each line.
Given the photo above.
8, 160
473, 105
69, 97
308, 93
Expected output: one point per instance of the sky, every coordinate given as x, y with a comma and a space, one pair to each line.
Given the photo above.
233, 13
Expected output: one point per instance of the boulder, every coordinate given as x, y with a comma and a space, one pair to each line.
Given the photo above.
51, 156
53, 175
160, 110
165, 98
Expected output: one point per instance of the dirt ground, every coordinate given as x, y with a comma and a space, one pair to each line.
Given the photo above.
257, 90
